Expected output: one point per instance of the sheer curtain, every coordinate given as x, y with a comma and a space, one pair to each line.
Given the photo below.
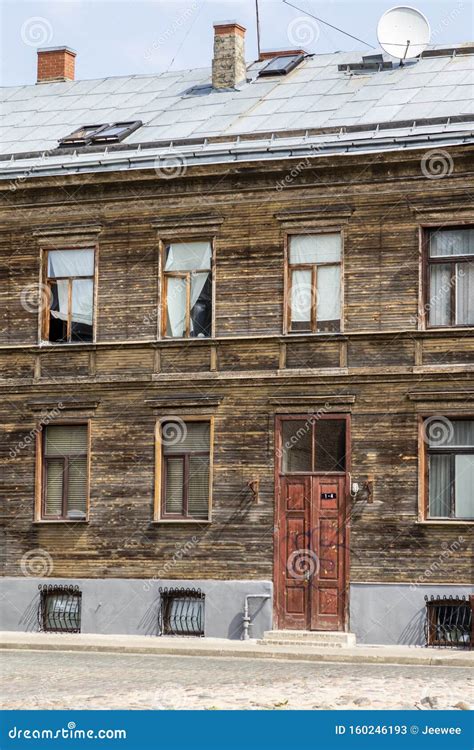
465, 293
67, 263
440, 486
194, 258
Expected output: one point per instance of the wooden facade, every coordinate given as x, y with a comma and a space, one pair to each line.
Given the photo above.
384, 368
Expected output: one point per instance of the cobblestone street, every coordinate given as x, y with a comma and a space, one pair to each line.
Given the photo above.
64, 680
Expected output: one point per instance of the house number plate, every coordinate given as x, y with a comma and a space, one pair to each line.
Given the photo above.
328, 495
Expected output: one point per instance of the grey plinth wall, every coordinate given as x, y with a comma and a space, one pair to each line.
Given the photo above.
130, 606
394, 613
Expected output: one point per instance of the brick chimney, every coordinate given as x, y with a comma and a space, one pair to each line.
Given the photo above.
228, 64
56, 64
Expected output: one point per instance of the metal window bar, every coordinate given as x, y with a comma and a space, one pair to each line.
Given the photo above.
181, 612
449, 621
60, 609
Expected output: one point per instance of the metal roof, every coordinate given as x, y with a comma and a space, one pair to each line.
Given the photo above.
428, 100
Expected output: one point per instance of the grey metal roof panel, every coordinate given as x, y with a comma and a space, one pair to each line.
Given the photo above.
178, 104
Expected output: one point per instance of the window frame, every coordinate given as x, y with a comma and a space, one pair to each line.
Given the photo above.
159, 516
288, 269
164, 275
41, 473
424, 451
426, 231
341, 416
45, 285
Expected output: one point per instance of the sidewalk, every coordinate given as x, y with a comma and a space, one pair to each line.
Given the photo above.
137, 644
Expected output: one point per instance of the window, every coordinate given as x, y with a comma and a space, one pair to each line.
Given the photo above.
313, 444
314, 283
181, 612
186, 469
449, 621
69, 277
65, 472
449, 279
450, 466
281, 65
106, 133
187, 290
60, 609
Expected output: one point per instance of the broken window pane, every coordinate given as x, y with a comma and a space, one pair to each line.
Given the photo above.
188, 289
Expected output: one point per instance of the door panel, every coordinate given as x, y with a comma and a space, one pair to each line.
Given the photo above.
310, 550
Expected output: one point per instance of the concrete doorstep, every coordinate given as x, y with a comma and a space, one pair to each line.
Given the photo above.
178, 646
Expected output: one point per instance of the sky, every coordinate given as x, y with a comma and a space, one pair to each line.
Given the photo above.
124, 37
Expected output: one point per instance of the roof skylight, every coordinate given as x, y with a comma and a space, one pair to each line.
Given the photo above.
88, 135
281, 65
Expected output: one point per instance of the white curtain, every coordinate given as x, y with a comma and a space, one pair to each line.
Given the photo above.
440, 486
301, 296
440, 294
67, 263
315, 248
465, 293
329, 293
452, 242
193, 257
464, 478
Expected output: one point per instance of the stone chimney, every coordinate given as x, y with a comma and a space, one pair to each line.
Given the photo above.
56, 64
228, 64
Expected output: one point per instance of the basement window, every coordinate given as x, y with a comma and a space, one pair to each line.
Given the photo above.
281, 65
88, 135
449, 621
181, 612
60, 609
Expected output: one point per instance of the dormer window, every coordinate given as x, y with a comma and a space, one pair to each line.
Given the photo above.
281, 65
88, 135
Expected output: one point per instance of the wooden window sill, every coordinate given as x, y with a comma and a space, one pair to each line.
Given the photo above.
48, 521
445, 522
159, 521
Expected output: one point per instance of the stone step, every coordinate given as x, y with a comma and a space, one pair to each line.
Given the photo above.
301, 643
308, 638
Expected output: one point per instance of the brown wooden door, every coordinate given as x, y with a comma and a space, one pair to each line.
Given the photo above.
311, 541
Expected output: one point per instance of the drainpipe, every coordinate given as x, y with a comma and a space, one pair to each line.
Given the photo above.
246, 617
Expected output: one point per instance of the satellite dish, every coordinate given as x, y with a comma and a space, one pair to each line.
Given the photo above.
403, 32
